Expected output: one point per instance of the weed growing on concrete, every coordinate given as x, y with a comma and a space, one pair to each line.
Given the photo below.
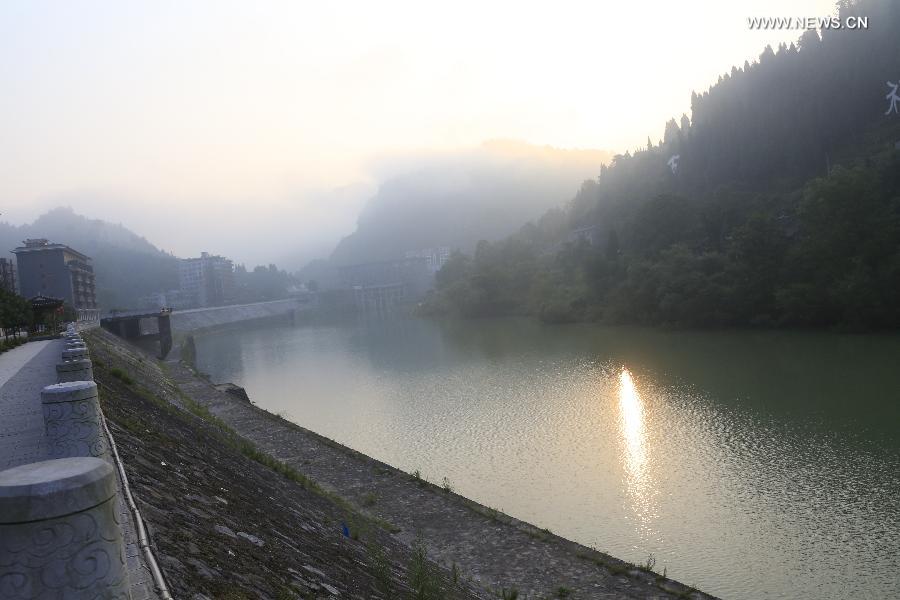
648, 566
369, 499
121, 376
508, 594
132, 425
382, 568
424, 578
563, 592
445, 485
284, 593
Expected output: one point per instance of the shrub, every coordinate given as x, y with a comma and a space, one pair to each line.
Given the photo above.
121, 376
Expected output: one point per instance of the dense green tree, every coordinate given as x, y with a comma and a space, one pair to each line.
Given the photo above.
262, 283
784, 208
15, 313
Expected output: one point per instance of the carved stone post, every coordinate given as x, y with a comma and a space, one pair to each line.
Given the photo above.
75, 370
75, 353
72, 420
60, 535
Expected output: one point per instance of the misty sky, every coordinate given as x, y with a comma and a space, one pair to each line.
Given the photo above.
253, 129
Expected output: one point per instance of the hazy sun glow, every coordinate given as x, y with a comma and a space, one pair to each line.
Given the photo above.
268, 113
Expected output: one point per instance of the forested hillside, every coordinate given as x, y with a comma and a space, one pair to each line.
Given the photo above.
777, 203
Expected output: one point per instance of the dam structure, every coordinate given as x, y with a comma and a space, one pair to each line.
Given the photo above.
163, 324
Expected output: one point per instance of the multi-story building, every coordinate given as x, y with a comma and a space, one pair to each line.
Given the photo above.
56, 271
206, 281
435, 257
8, 279
389, 283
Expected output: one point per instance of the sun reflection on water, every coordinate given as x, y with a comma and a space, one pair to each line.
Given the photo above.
634, 434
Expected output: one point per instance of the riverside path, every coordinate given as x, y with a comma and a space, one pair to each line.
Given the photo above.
24, 372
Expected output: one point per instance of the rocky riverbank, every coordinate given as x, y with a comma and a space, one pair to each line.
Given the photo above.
245, 504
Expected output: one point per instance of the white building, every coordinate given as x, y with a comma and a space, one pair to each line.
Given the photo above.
206, 281
435, 257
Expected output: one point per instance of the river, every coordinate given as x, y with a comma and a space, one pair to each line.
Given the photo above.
748, 464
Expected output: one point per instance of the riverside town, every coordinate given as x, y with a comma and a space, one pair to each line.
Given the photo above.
393, 301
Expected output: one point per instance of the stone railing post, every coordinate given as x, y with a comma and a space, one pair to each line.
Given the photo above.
75, 370
60, 535
72, 420
75, 353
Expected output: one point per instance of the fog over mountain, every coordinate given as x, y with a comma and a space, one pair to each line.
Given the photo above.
449, 198
458, 198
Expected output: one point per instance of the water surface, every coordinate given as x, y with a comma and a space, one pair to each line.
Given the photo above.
752, 465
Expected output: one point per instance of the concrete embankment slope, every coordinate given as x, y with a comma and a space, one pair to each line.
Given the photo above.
186, 321
228, 521
497, 552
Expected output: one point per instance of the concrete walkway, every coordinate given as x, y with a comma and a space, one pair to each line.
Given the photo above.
24, 372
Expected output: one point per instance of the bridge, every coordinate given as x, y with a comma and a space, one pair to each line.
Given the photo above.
127, 325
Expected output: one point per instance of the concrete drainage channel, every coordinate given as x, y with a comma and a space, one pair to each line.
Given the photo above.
59, 532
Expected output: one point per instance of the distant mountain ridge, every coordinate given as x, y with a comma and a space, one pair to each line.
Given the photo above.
127, 266
457, 199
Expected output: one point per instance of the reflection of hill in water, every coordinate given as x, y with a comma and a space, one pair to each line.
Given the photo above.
750, 448
848, 381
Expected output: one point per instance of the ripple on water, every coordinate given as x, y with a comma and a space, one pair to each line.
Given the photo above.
628, 442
